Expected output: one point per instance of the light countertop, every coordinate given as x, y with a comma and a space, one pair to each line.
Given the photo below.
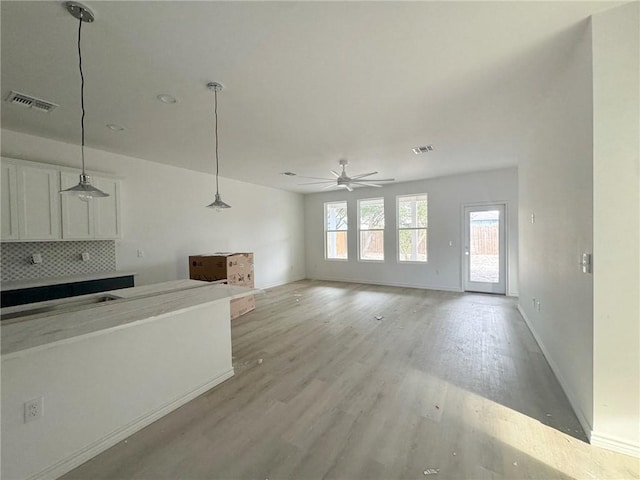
46, 282
136, 304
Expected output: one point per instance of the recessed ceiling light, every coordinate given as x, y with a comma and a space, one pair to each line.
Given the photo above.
289, 174
423, 149
166, 98
114, 127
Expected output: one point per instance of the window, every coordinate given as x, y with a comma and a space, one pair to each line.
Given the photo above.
335, 228
371, 226
412, 228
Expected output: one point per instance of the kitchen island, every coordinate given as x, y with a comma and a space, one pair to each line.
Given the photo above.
102, 371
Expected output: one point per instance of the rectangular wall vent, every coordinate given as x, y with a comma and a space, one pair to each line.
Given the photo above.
28, 101
423, 149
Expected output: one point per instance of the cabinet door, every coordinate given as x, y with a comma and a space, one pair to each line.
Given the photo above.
107, 209
77, 216
9, 202
38, 203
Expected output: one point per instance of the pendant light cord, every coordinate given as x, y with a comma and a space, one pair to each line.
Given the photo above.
81, 91
215, 112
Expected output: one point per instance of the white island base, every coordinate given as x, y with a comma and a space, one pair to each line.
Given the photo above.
101, 387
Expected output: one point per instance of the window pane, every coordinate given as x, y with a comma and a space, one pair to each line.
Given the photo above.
412, 211
336, 216
371, 213
337, 245
372, 245
413, 245
484, 250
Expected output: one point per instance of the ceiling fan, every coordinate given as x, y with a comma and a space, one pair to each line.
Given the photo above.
343, 180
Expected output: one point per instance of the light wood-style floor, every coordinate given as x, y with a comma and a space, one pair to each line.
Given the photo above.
445, 382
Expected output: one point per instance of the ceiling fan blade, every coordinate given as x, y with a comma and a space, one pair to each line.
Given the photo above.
335, 173
331, 185
382, 179
362, 175
316, 183
315, 178
366, 184
349, 188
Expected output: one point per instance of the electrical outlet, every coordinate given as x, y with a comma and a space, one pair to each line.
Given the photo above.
33, 409
140, 253
36, 258
85, 256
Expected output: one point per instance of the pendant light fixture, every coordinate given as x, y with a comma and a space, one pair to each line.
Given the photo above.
83, 190
218, 204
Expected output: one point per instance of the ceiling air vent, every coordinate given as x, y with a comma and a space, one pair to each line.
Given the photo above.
18, 98
423, 149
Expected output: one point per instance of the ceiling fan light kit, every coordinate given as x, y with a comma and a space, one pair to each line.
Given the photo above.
343, 180
218, 204
83, 190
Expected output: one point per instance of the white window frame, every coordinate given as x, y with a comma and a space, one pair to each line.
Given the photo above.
326, 231
360, 230
400, 228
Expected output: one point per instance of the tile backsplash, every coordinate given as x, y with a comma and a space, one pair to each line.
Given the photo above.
59, 259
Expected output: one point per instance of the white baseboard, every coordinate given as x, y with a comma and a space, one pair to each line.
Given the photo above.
586, 425
286, 282
615, 444
386, 284
78, 458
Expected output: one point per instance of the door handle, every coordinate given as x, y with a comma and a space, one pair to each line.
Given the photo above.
466, 250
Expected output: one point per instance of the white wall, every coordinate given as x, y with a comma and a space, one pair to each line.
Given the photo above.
446, 195
616, 218
163, 214
555, 184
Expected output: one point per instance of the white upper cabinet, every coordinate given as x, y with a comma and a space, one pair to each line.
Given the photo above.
96, 219
38, 202
34, 209
107, 210
9, 202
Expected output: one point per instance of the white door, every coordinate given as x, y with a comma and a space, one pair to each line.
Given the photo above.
484, 249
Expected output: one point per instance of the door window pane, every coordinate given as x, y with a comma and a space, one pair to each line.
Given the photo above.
484, 248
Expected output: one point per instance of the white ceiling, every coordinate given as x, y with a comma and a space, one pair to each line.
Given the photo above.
306, 83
